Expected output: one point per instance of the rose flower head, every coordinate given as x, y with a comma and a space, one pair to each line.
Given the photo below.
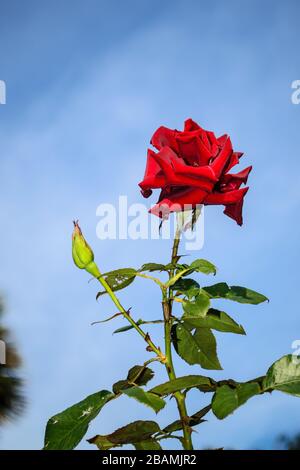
193, 167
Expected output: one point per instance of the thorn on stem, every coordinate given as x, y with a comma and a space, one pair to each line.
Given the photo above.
147, 338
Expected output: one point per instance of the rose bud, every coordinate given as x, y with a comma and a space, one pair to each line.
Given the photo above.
82, 253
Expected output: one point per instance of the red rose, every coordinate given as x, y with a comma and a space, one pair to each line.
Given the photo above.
192, 167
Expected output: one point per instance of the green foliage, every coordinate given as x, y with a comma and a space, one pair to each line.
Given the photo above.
198, 307
216, 320
65, 430
151, 267
199, 266
118, 279
239, 294
184, 383
284, 375
193, 340
196, 348
149, 444
146, 398
137, 375
136, 432
188, 287
227, 399
193, 420
202, 266
123, 329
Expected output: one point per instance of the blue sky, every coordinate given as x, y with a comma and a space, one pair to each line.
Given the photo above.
87, 84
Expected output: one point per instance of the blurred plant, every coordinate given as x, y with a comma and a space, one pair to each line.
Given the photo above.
11, 395
290, 443
191, 166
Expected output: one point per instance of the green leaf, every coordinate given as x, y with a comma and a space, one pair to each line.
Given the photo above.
203, 266
227, 399
118, 279
151, 267
187, 287
138, 322
217, 290
205, 339
193, 420
198, 307
140, 375
245, 295
146, 398
184, 383
198, 348
150, 444
239, 294
284, 375
199, 265
217, 320
123, 329
65, 430
137, 375
137, 431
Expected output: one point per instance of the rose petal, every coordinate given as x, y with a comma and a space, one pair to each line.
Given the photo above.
190, 125
220, 161
233, 181
178, 200
221, 140
234, 211
164, 137
177, 173
192, 149
231, 197
153, 177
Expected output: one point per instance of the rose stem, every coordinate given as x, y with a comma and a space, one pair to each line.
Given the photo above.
125, 313
167, 311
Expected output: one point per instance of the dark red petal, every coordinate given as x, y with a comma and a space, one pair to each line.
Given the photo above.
165, 159
179, 200
221, 140
233, 160
192, 149
146, 192
190, 125
177, 173
164, 137
153, 177
214, 146
221, 160
194, 171
233, 181
233, 201
234, 211
231, 197
238, 154
203, 136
